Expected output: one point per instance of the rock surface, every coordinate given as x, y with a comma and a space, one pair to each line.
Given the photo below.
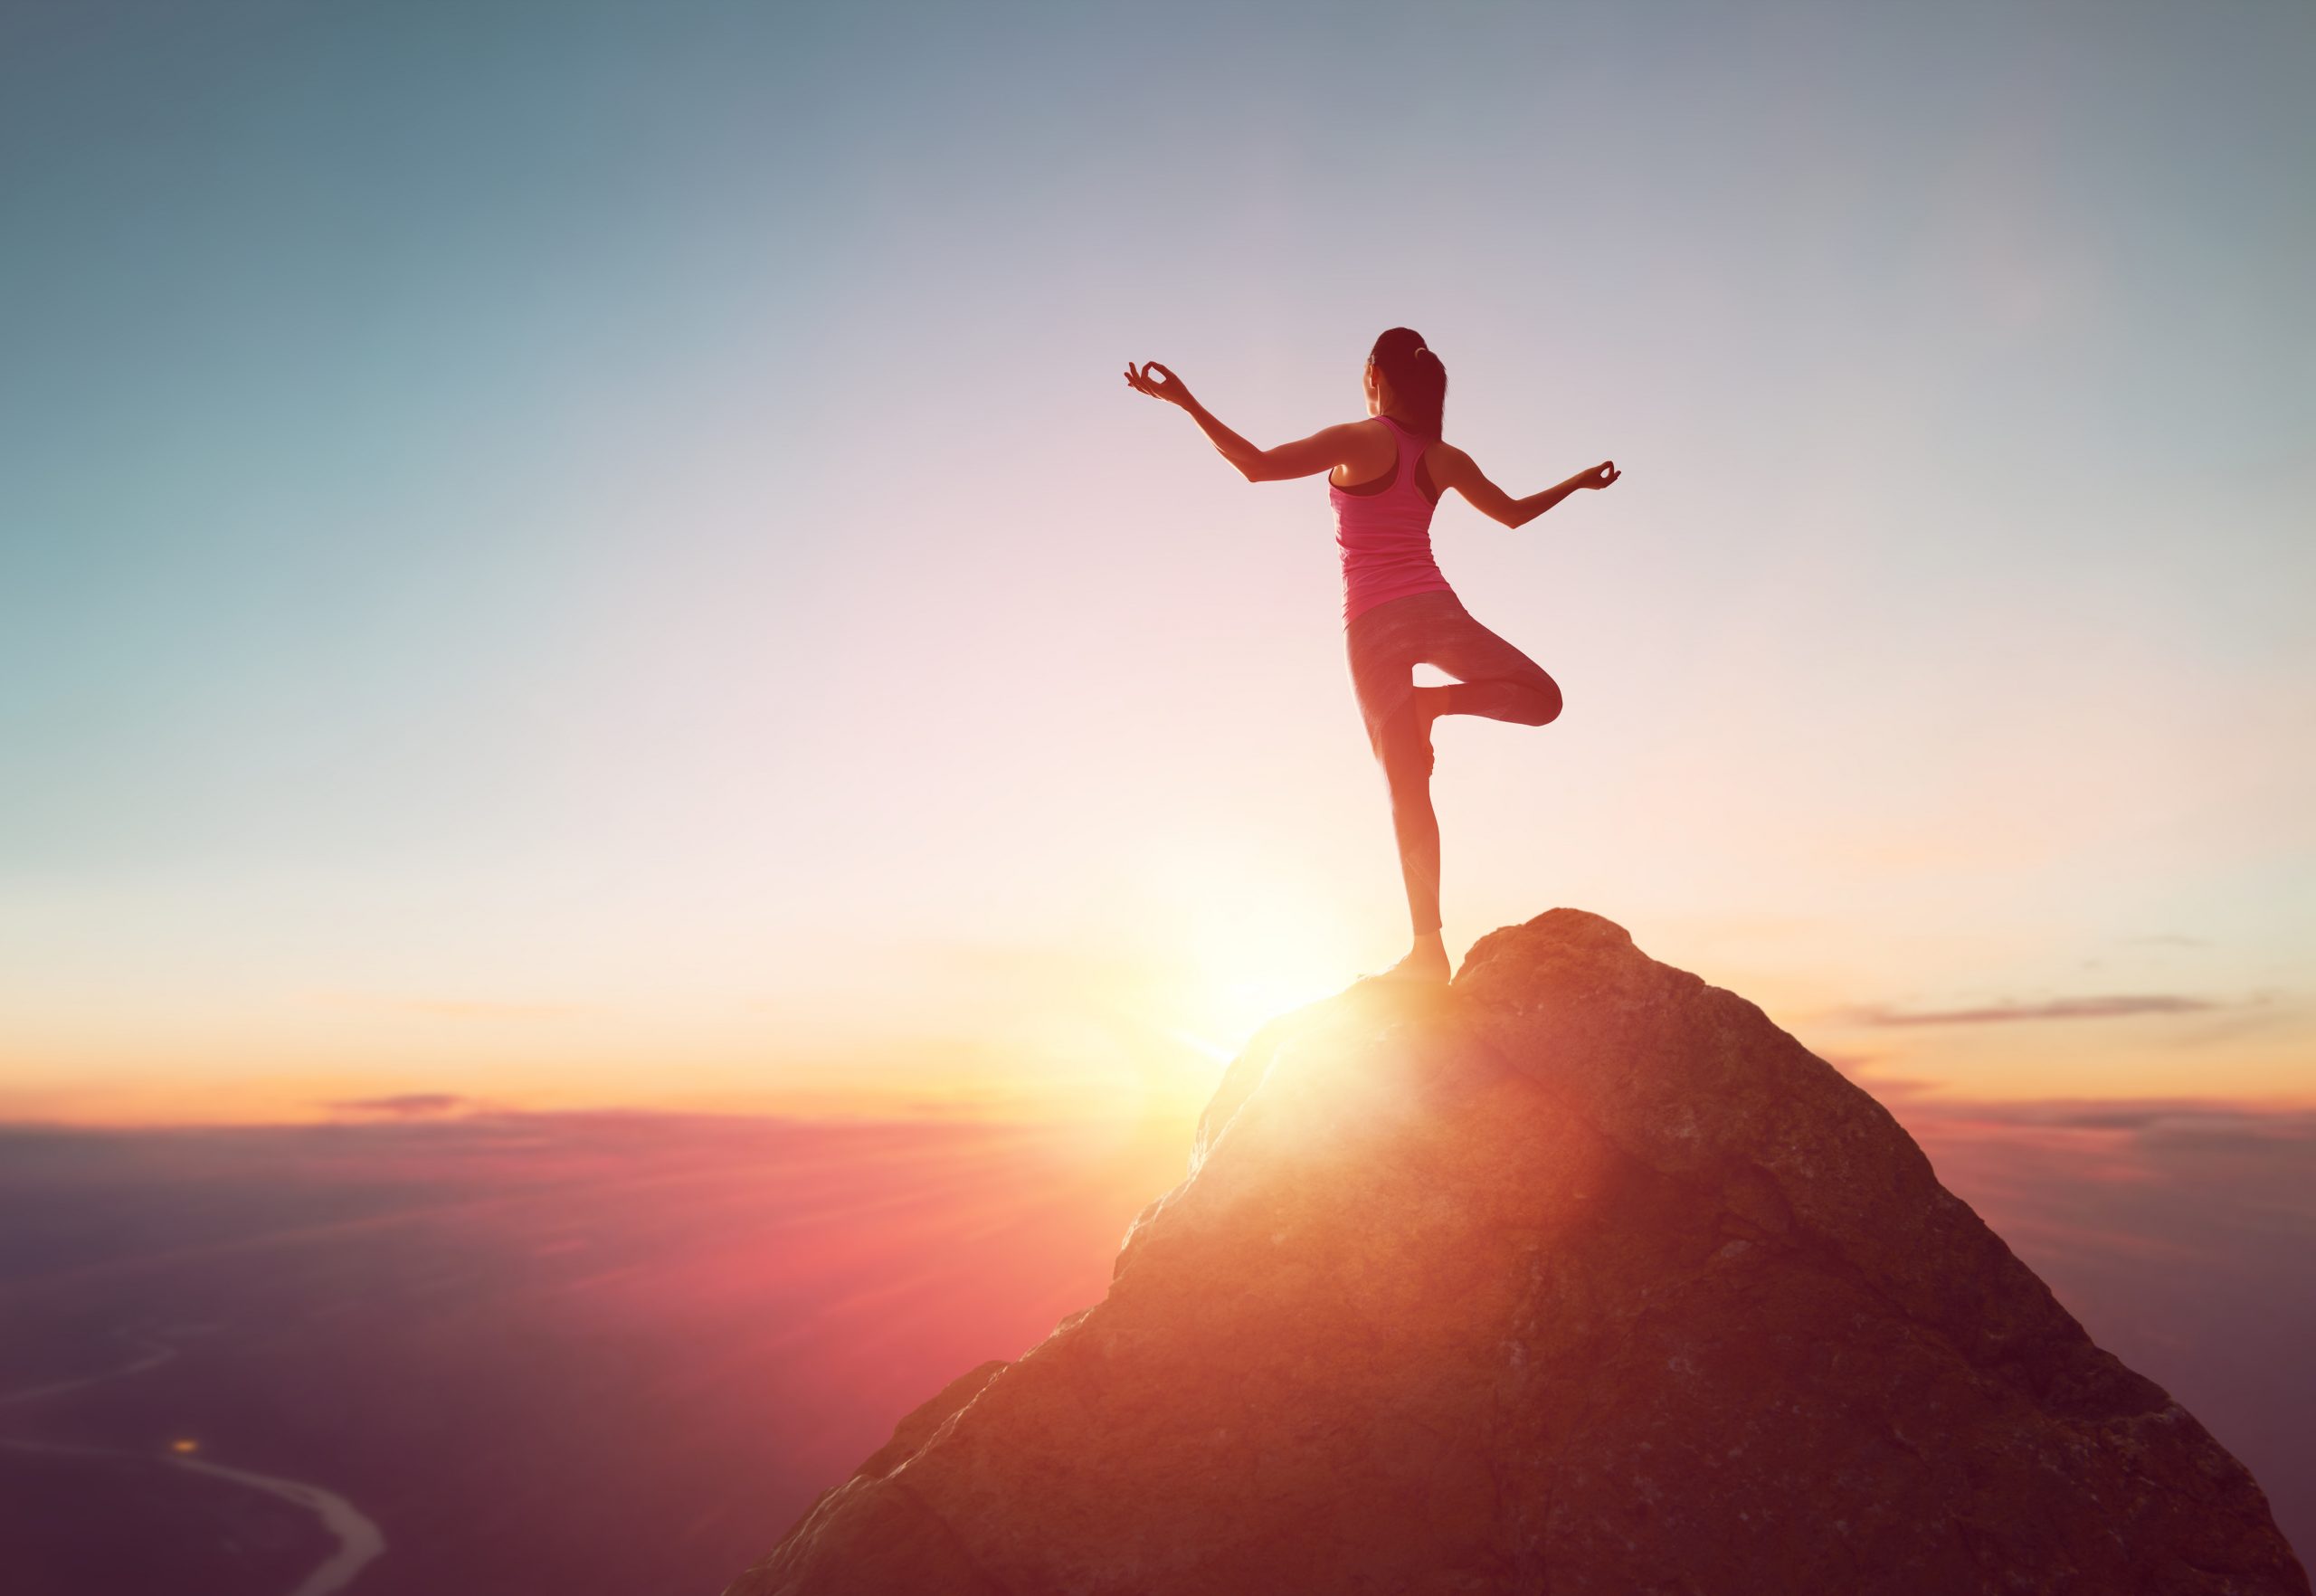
1583, 1276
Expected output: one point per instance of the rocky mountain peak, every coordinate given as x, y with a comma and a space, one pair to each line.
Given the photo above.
1581, 1276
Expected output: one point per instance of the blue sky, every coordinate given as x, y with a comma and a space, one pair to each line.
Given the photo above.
623, 518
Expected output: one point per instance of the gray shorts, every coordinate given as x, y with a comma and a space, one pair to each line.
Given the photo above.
1386, 643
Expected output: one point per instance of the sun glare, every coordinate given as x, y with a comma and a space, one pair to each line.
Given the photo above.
1248, 963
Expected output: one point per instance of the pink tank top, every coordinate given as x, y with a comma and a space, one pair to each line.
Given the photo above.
1386, 536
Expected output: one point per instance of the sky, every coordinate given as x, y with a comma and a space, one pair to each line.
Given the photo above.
567, 555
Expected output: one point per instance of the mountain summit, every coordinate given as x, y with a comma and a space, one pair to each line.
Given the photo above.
1579, 1276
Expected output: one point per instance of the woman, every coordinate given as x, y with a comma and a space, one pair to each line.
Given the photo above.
1385, 475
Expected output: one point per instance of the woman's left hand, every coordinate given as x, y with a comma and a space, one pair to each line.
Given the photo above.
1170, 389
1600, 475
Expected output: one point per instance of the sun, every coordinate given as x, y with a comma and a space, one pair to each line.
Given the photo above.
1248, 960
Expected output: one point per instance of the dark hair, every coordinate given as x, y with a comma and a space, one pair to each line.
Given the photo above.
1418, 381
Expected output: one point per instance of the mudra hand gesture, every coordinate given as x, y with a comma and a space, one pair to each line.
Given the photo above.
1170, 389
1600, 475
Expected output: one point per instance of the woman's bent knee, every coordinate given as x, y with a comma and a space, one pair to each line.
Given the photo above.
1548, 704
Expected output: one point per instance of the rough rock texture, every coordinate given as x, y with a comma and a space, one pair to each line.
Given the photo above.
1582, 1277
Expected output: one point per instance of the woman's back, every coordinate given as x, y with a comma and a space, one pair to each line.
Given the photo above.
1383, 528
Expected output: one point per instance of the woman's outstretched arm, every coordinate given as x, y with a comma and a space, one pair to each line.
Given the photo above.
1323, 450
1456, 469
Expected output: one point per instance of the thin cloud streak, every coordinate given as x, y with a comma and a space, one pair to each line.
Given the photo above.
405, 1104
2116, 1006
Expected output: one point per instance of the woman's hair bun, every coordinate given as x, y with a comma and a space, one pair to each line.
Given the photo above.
1417, 376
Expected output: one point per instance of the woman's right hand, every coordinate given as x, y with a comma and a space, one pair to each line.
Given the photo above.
1600, 475
1170, 389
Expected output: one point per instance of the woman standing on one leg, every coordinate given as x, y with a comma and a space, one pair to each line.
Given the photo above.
1385, 475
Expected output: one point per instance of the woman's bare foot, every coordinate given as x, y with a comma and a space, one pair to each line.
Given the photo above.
1426, 963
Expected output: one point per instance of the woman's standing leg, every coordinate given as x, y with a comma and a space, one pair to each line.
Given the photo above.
1496, 680
1404, 748
1384, 645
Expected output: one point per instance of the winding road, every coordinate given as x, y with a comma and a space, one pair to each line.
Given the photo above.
360, 1542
